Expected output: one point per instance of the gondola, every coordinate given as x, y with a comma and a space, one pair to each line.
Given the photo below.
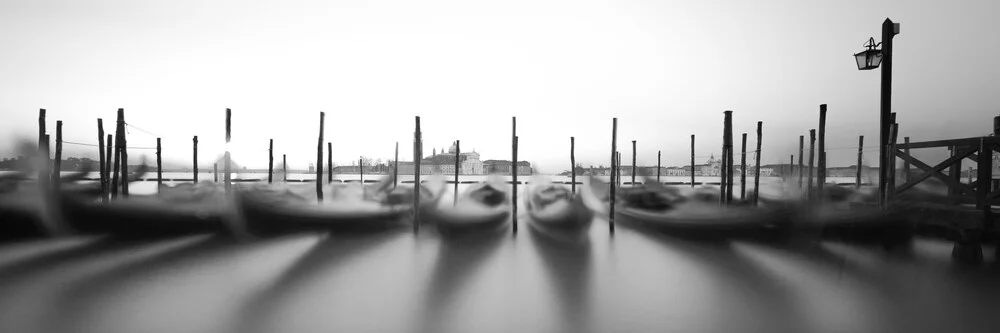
556, 211
484, 207
664, 209
275, 210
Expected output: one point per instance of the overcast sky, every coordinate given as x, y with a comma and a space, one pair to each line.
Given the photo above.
666, 69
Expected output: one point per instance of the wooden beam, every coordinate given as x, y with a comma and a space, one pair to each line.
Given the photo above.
928, 173
923, 166
964, 142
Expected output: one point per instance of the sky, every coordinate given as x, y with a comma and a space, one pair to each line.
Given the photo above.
665, 69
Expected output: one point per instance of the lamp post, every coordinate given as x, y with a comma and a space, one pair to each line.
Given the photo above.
871, 58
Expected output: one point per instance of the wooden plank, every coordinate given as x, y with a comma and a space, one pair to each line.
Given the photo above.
966, 142
928, 173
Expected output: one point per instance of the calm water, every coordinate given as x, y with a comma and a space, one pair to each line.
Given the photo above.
630, 281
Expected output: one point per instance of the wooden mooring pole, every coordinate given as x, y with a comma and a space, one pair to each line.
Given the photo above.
417, 156
159, 165
890, 185
861, 147
319, 159
284, 168
228, 160
41, 131
109, 153
906, 163
756, 176
743, 169
101, 165
812, 157
458, 154
123, 138
821, 164
329, 162
57, 163
194, 173
614, 170
801, 153
729, 156
215, 171
633, 163
513, 170
692, 161
572, 164
658, 165
395, 167
270, 162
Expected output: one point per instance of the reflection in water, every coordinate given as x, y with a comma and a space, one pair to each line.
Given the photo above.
459, 258
567, 262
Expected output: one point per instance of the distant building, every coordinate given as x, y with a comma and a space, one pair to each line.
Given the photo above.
468, 162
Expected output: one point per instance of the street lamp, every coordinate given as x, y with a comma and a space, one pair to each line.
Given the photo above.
870, 58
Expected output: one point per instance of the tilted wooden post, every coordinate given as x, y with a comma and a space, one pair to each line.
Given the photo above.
101, 165
270, 162
194, 142
57, 163
756, 176
228, 162
458, 152
614, 171
572, 162
159, 165
812, 157
692, 161
743, 169
821, 165
319, 159
861, 147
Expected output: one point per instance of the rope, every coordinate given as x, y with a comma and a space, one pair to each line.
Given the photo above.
141, 130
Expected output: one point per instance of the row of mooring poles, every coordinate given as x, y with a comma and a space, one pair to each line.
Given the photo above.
726, 169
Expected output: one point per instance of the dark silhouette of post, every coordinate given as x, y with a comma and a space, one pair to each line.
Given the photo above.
41, 132
658, 164
722, 166
801, 154
57, 163
329, 162
513, 170
614, 171
906, 163
756, 176
101, 165
215, 171
194, 142
729, 156
319, 159
44, 170
361, 171
812, 157
821, 164
417, 156
890, 186
633, 163
572, 162
458, 152
861, 145
159, 165
743, 169
395, 167
123, 140
270, 162
692, 161
109, 153
228, 162
889, 30
791, 166
284, 168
